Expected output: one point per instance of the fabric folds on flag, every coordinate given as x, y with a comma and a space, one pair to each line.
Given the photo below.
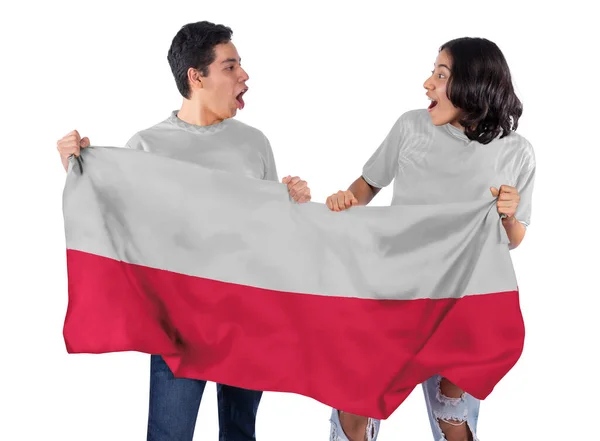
231, 281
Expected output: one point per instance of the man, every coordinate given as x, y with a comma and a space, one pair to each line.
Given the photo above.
208, 74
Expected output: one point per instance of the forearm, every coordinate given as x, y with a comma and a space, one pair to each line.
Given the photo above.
362, 191
65, 162
515, 231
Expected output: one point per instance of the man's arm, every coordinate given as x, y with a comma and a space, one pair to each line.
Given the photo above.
297, 188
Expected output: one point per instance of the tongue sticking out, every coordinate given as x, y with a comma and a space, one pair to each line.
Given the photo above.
240, 101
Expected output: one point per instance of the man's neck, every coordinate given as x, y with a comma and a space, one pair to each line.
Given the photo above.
194, 113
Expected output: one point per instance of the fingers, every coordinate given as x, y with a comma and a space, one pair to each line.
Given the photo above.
71, 144
509, 197
348, 198
289, 179
506, 193
506, 205
507, 189
297, 188
302, 195
508, 208
329, 202
290, 182
336, 202
67, 148
72, 137
341, 200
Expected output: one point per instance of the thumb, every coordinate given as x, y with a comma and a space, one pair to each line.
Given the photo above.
85, 142
494, 191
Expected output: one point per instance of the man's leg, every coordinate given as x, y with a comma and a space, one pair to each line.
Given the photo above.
237, 413
349, 427
174, 403
452, 413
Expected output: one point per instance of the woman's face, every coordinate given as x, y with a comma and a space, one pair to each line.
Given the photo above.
441, 110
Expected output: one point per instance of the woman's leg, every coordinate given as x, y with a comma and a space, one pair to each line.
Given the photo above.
452, 412
349, 427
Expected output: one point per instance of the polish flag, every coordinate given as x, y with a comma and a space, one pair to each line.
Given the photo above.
232, 282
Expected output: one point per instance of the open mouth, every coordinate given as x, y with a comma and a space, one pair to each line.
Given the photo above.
432, 105
240, 100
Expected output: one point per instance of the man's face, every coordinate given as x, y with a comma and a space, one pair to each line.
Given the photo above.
223, 87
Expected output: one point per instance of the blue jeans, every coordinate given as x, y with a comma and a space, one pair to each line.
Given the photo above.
174, 404
464, 409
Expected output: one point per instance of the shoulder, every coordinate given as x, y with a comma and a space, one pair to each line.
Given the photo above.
140, 139
521, 149
136, 141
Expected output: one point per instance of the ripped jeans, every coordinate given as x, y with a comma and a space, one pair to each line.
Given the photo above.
438, 407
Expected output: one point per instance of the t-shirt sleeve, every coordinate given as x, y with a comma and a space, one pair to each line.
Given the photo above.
381, 168
135, 142
270, 170
524, 185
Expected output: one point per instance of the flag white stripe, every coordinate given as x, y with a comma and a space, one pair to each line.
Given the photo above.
159, 212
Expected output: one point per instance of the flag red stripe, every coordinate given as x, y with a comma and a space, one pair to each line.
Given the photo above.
359, 355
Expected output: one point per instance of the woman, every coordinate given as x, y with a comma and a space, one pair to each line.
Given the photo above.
459, 149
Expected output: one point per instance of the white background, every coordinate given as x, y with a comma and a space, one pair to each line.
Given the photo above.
327, 81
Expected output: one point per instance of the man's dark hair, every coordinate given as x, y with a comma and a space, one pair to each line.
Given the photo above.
480, 84
194, 47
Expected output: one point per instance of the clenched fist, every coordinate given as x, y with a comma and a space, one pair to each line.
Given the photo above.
508, 200
297, 188
341, 200
71, 144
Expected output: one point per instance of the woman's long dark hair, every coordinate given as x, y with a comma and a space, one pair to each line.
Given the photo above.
481, 85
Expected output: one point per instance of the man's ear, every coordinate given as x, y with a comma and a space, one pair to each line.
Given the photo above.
195, 78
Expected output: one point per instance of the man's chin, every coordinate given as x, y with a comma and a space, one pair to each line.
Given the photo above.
227, 115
